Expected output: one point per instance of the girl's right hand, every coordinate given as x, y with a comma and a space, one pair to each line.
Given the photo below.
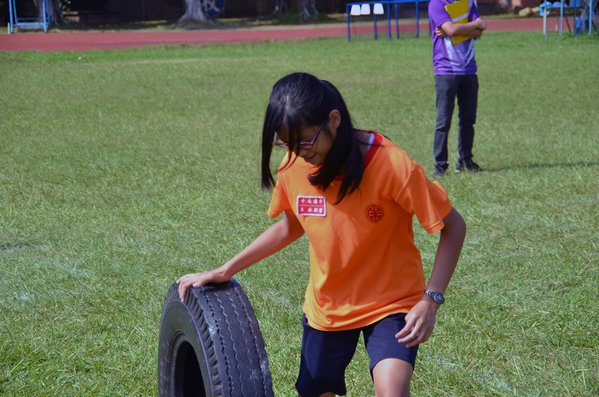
196, 280
482, 24
275, 238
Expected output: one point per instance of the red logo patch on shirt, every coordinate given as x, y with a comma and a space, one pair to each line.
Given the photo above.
374, 212
311, 206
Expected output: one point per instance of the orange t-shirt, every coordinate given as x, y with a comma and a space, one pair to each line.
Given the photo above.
364, 264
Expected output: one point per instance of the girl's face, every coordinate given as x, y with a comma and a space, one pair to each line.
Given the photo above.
323, 143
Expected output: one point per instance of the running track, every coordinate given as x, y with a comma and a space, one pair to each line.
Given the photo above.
115, 40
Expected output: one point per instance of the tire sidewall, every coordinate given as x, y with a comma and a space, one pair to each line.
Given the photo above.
178, 326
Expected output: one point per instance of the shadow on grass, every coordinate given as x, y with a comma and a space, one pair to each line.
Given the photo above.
578, 164
8, 246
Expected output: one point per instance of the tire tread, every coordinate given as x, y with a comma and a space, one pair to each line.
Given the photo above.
232, 345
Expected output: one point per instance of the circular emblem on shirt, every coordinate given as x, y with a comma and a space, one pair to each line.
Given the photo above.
374, 212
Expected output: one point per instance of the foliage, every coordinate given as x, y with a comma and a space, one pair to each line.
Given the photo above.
24, 9
83, 5
292, 18
122, 170
306, 9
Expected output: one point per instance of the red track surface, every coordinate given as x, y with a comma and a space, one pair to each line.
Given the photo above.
115, 40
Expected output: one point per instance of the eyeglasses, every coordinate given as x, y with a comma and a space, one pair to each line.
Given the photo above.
301, 145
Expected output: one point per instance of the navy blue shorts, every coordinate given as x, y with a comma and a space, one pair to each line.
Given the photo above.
326, 355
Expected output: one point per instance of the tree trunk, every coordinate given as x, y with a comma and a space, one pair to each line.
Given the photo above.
282, 7
193, 12
307, 9
53, 10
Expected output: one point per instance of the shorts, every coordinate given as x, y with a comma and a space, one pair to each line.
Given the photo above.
326, 354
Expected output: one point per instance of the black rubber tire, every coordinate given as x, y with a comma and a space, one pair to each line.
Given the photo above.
211, 345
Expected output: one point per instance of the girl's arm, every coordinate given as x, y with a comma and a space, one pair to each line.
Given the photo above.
470, 29
473, 33
420, 321
476, 33
275, 238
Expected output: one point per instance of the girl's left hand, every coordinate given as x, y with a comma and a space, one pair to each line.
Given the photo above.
440, 32
420, 322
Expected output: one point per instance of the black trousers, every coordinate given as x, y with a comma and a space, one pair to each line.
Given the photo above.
447, 87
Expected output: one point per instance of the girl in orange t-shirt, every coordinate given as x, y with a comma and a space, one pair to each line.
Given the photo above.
354, 194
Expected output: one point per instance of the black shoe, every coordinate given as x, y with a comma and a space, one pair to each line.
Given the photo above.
468, 165
440, 170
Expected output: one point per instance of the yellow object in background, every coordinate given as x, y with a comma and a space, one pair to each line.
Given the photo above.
458, 12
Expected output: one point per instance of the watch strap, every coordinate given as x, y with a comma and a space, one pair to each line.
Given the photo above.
435, 296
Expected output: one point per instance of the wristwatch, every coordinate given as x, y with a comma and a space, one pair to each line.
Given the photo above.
436, 296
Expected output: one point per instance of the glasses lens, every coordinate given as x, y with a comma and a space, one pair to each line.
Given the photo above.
280, 143
299, 146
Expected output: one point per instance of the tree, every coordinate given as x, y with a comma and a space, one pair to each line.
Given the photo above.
194, 11
53, 10
307, 9
282, 7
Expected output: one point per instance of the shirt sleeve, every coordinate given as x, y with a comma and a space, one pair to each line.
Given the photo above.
279, 201
426, 199
438, 14
474, 15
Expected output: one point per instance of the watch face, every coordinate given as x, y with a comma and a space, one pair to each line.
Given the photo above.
438, 297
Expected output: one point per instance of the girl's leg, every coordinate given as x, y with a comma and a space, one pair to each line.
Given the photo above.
392, 378
467, 103
446, 90
324, 358
391, 362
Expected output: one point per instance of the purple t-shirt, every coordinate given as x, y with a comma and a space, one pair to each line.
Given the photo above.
448, 58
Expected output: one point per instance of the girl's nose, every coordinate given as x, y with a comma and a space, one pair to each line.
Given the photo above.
302, 152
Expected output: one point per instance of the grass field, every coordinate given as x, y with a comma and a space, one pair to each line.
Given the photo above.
122, 170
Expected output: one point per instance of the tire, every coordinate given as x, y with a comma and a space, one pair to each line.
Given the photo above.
211, 345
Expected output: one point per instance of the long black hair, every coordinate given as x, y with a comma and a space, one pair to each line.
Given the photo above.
300, 99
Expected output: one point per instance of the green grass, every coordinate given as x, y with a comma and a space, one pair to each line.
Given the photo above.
122, 170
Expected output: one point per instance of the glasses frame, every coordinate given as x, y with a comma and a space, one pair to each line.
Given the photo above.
301, 145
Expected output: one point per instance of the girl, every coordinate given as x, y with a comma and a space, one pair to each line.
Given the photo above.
354, 194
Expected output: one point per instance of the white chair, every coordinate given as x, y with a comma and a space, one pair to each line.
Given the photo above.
378, 9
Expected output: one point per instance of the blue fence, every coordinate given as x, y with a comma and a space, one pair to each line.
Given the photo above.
28, 23
363, 8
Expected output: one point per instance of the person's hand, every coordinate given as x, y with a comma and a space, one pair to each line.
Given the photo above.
420, 322
481, 23
440, 32
196, 280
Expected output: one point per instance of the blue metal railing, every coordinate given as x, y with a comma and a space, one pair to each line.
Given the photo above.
388, 3
28, 23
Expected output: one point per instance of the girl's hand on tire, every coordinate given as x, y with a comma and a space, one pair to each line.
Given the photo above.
196, 280
211, 345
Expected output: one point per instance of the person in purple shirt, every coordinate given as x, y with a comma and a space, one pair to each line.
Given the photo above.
455, 75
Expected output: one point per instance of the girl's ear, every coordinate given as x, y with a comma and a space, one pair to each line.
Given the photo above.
334, 119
